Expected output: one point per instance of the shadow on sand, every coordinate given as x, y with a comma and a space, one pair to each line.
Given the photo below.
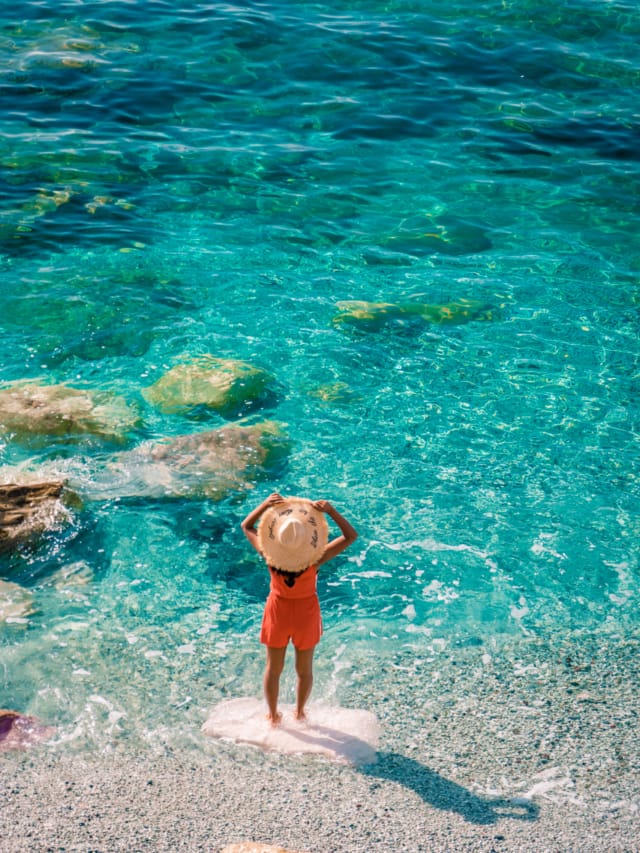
444, 794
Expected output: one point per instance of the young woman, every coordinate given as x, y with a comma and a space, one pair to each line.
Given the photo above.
293, 538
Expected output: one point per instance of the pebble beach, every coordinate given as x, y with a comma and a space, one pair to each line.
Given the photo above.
512, 766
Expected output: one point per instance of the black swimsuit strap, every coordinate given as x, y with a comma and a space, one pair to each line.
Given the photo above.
289, 577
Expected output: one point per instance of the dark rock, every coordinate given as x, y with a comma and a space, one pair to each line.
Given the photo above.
18, 731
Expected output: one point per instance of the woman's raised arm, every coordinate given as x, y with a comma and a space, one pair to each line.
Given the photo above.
249, 524
348, 533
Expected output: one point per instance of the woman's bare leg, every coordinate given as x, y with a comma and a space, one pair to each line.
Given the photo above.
272, 673
304, 671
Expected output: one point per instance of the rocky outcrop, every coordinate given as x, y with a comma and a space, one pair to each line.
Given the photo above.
30, 408
220, 384
29, 509
209, 464
18, 731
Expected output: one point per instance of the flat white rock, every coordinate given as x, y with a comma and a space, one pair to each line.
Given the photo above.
345, 735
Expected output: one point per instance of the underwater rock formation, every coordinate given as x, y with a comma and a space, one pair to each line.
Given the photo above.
29, 509
334, 392
449, 237
45, 44
421, 236
222, 384
18, 731
372, 316
73, 577
16, 602
43, 203
208, 464
29, 408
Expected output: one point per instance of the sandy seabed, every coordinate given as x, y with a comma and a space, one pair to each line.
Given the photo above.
535, 750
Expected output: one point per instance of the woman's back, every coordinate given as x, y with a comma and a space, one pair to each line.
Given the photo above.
304, 585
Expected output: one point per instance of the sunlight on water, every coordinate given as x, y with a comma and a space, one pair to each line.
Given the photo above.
418, 224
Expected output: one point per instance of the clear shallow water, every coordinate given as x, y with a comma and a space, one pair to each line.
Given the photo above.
215, 181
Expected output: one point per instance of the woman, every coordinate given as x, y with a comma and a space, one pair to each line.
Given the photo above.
293, 539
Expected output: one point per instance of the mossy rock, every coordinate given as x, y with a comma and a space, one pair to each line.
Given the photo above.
220, 384
373, 316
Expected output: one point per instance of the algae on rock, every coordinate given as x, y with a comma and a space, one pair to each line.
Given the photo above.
373, 316
221, 384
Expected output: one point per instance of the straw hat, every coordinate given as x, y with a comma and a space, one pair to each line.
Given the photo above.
292, 535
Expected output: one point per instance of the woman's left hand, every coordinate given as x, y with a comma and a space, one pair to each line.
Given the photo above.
274, 498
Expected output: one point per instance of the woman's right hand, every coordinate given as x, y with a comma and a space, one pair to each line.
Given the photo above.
249, 523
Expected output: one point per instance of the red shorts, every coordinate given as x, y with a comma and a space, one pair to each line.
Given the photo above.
295, 619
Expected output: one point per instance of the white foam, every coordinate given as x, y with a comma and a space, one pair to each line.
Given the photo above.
344, 735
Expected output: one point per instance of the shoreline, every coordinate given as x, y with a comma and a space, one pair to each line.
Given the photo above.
533, 751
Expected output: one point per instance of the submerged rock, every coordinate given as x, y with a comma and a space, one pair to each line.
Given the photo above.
29, 509
207, 464
16, 602
29, 408
448, 237
373, 316
334, 392
422, 236
221, 384
72, 577
43, 203
18, 731
47, 45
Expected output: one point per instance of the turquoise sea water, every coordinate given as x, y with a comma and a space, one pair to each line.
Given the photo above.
202, 178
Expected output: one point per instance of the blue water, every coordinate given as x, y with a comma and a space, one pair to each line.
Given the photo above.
189, 179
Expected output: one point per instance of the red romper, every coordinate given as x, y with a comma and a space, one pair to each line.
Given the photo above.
292, 613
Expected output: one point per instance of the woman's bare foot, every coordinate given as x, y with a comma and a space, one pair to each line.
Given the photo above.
300, 716
275, 719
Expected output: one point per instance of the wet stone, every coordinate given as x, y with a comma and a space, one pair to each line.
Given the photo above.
19, 731
29, 509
